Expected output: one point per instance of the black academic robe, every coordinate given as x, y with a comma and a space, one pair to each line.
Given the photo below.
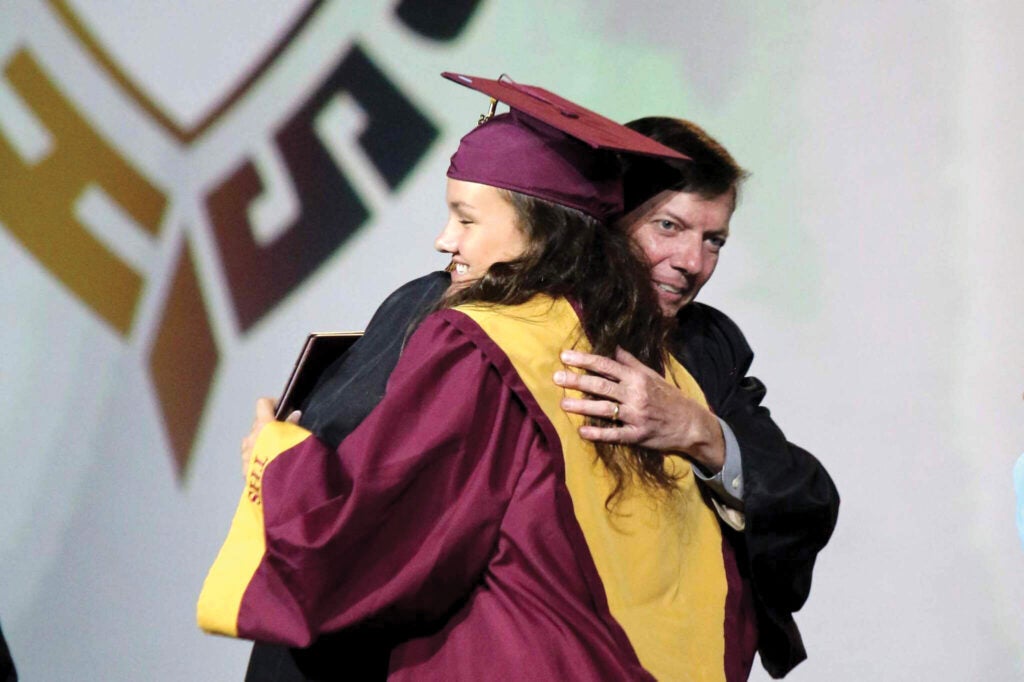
791, 504
7, 671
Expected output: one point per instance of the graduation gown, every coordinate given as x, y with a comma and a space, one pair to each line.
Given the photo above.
466, 520
791, 503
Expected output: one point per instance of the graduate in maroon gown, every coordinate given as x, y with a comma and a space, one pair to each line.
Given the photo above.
783, 497
465, 521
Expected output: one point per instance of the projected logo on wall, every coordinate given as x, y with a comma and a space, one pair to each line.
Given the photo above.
40, 199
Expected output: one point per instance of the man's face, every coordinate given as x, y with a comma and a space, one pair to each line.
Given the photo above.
680, 234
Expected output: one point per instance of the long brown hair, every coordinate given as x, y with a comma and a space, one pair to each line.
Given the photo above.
573, 255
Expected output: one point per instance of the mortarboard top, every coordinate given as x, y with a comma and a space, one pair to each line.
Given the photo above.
549, 147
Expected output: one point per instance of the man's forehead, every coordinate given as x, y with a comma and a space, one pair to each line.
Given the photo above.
712, 213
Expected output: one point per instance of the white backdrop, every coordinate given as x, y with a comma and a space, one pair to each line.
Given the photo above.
875, 266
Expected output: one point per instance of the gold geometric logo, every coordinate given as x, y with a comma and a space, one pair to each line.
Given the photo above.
45, 188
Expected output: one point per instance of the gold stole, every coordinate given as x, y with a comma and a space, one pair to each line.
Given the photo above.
659, 554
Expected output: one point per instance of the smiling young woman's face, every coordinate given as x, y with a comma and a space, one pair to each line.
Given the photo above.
481, 231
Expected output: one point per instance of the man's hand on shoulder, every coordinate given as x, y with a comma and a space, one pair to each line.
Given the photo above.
649, 411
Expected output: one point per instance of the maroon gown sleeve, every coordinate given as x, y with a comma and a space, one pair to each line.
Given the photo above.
396, 526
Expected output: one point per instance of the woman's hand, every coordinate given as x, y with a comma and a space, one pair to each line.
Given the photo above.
265, 408
649, 411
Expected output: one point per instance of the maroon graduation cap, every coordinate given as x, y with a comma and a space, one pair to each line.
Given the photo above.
549, 147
